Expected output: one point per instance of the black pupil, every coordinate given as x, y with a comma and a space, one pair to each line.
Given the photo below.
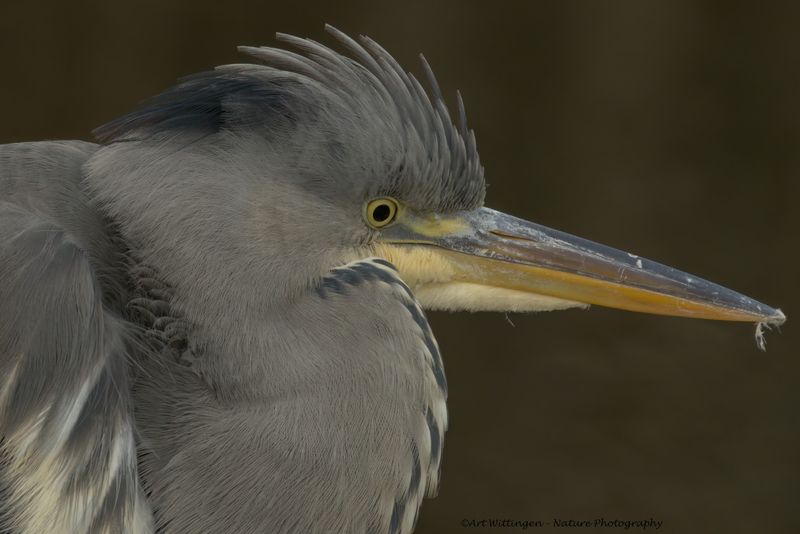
381, 212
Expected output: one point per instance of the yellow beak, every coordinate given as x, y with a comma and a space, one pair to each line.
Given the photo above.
489, 249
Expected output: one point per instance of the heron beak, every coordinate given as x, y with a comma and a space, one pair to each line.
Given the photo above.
507, 259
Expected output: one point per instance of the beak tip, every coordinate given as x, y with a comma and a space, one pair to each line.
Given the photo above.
777, 318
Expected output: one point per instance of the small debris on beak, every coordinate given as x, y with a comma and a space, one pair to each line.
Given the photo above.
761, 341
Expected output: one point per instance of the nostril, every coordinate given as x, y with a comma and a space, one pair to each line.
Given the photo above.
504, 235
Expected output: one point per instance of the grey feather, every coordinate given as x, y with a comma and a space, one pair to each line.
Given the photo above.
261, 471
66, 433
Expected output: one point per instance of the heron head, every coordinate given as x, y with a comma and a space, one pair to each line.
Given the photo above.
309, 159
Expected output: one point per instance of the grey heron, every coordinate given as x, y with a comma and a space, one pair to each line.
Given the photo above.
211, 320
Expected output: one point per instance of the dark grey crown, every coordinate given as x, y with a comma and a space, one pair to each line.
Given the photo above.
360, 116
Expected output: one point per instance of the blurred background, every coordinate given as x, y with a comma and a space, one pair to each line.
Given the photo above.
668, 129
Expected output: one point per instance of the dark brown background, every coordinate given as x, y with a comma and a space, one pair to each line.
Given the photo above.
669, 129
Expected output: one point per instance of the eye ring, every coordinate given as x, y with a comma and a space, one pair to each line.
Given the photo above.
380, 212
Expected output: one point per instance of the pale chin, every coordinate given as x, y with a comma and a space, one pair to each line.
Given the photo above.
464, 296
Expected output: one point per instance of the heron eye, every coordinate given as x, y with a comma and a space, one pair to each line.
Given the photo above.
381, 212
